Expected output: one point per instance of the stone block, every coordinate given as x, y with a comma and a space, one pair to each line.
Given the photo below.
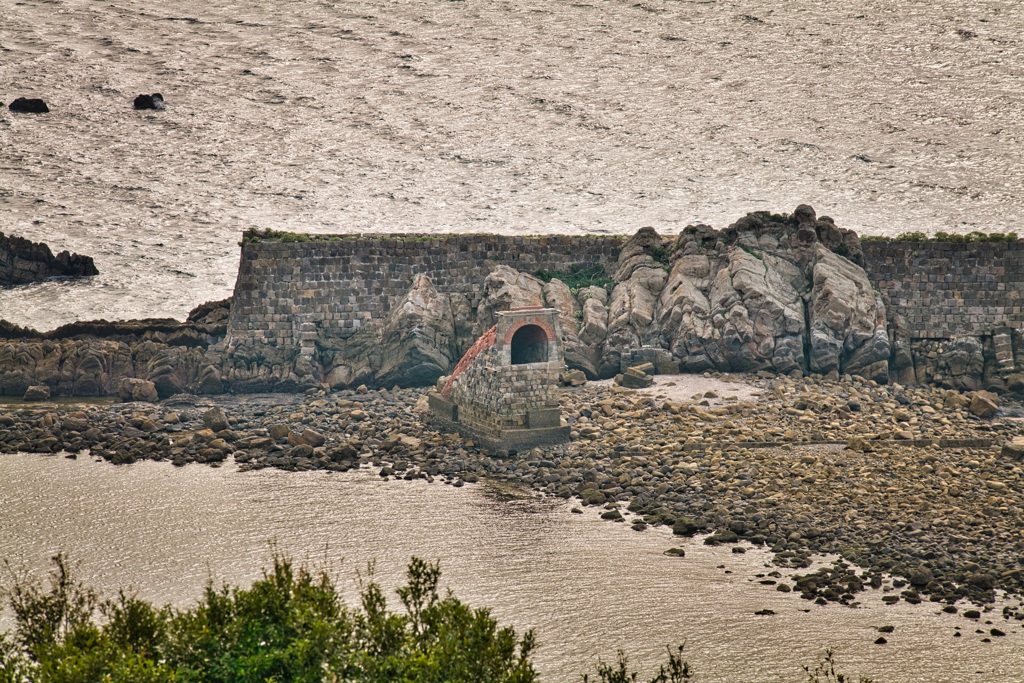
538, 418
442, 407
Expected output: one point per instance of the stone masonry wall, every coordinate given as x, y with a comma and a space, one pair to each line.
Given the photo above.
341, 285
945, 289
941, 290
492, 399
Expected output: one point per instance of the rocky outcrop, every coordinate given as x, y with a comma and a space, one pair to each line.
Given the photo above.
757, 315
578, 355
640, 277
773, 293
154, 101
417, 338
95, 358
848, 332
504, 289
23, 261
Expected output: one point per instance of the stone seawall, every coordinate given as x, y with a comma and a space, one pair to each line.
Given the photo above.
342, 285
945, 289
780, 294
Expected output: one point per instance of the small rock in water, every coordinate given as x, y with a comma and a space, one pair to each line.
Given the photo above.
880, 641
154, 101
28, 105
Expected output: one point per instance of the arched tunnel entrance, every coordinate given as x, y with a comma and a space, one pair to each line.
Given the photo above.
529, 345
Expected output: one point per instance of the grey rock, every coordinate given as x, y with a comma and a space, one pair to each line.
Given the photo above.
37, 393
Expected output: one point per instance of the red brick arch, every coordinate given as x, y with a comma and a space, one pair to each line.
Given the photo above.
532, 320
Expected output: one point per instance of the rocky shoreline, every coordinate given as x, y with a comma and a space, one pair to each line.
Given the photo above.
895, 480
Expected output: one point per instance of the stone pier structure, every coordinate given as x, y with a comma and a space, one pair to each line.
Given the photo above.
504, 390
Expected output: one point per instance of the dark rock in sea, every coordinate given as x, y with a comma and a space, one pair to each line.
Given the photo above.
28, 105
154, 101
23, 261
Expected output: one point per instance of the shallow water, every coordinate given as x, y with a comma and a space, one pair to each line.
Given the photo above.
587, 586
430, 115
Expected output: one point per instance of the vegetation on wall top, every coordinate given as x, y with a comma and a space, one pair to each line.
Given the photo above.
945, 237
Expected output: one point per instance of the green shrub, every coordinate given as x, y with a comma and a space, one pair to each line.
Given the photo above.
289, 626
578, 277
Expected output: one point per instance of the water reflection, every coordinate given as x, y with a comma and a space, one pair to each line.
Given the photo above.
587, 586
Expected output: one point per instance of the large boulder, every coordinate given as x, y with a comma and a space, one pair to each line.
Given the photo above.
215, 419
506, 288
29, 105
640, 274
417, 337
39, 392
848, 332
153, 101
577, 355
758, 315
132, 389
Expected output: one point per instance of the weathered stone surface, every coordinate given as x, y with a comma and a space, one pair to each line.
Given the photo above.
133, 389
504, 289
847, 320
640, 279
215, 419
758, 316
37, 393
23, 261
957, 363
594, 327
572, 378
684, 312
983, 406
578, 355
1013, 449
417, 338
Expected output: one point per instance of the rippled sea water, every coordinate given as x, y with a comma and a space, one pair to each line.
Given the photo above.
587, 586
533, 116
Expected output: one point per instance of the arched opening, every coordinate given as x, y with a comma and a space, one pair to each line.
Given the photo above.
529, 345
